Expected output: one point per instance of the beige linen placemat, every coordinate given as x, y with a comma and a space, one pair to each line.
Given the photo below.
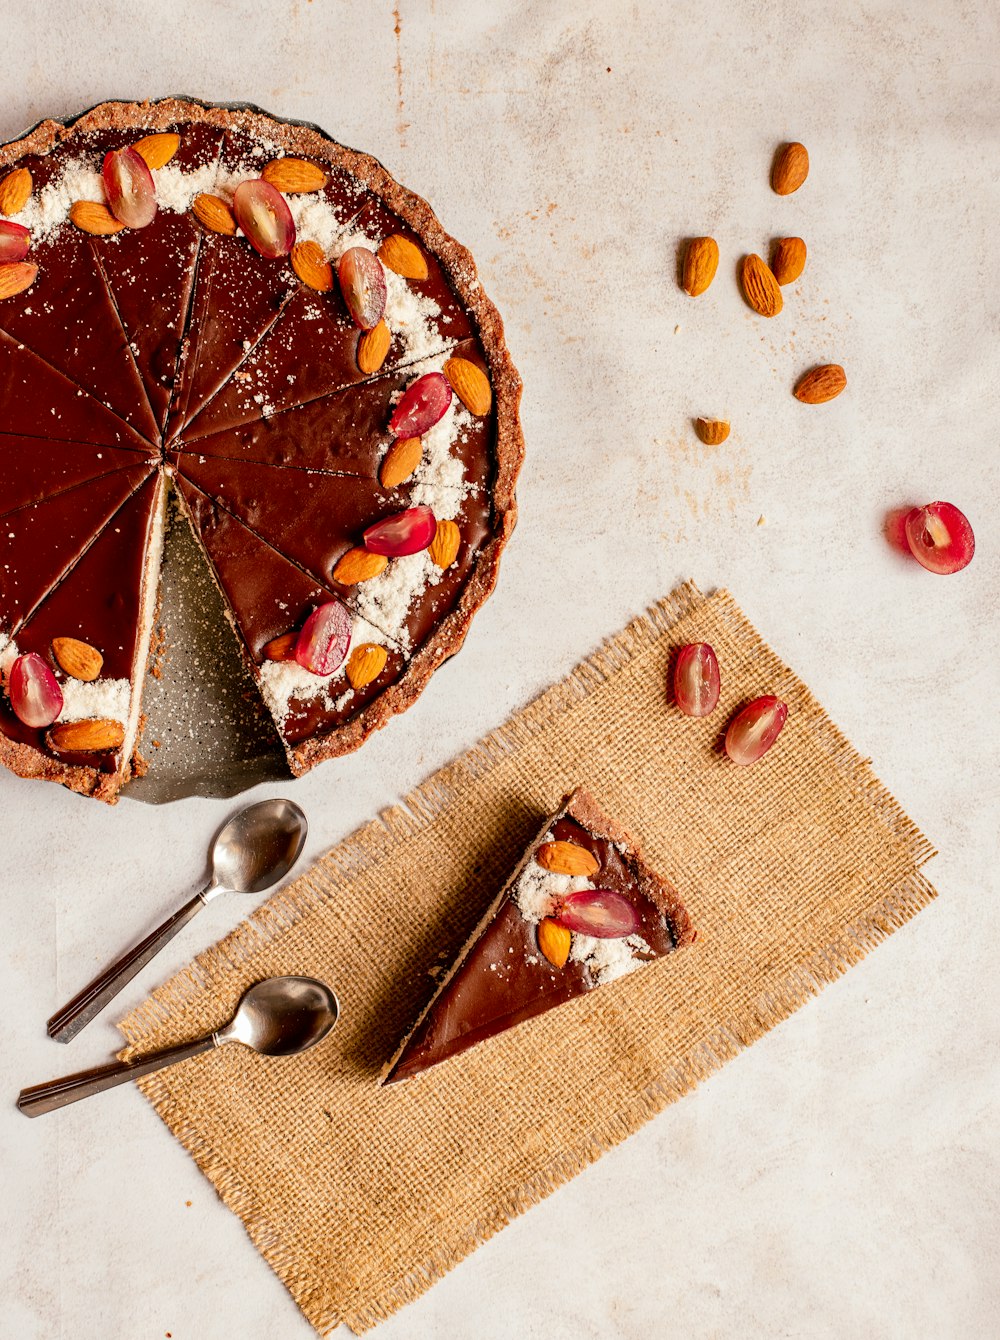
360, 1197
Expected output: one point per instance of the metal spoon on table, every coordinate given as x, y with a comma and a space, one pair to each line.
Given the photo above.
255, 849
280, 1016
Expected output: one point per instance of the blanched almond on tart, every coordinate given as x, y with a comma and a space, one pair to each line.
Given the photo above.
213, 213
554, 941
365, 664
87, 737
16, 277
294, 176
400, 461
445, 545
567, 858
470, 384
373, 347
359, 565
15, 191
157, 150
403, 257
90, 216
79, 659
311, 266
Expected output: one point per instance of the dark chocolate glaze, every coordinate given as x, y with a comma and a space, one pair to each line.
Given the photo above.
33, 469
504, 979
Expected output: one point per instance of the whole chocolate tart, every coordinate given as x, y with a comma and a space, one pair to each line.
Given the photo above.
581, 909
211, 306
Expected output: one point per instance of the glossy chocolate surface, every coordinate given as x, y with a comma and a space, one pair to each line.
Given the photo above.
504, 979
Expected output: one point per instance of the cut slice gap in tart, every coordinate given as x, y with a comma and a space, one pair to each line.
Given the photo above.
514, 967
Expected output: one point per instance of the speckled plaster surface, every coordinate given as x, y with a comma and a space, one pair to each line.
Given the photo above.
840, 1178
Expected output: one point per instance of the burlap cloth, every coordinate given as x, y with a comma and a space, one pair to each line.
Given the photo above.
361, 1197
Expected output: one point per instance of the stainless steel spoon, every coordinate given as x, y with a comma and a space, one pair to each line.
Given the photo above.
278, 1017
255, 849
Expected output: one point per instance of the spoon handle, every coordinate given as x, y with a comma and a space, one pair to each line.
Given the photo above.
61, 1092
67, 1022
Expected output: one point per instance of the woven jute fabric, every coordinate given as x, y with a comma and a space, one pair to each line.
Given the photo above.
361, 1197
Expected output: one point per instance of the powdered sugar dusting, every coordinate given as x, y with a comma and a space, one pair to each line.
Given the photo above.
104, 699
282, 682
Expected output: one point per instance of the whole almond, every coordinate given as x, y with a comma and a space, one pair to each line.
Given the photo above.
821, 384
359, 565
791, 167
700, 264
281, 648
365, 664
788, 259
294, 175
79, 659
554, 941
712, 431
213, 213
470, 384
373, 347
90, 216
157, 150
567, 858
15, 191
400, 461
15, 277
760, 288
87, 737
443, 549
398, 253
312, 267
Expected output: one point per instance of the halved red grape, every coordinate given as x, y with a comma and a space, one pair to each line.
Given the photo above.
35, 694
14, 239
362, 282
603, 913
422, 406
752, 731
128, 184
940, 537
696, 680
263, 214
405, 533
325, 640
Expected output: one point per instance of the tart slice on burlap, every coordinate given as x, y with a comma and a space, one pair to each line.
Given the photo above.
581, 909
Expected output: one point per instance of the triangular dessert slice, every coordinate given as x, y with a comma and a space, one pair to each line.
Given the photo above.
269, 600
32, 470
39, 401
68, 318
581, 909
94, 631
41, 543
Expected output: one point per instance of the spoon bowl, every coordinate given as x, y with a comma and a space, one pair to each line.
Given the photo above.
283, 1016
258, 846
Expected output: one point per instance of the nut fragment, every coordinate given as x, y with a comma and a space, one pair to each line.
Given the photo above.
365, 664
213, 213
470, 384
700, 264
79, 659
712, 431
359, 565
312, 267
281, 648
760, 288
15, 277
294, 175
400, 461
87, 737
15, 191
445, 545
373, 347
821, 384
788, 259
791, 167
554, 941
398, 253
90, 216
157, 150
567, 858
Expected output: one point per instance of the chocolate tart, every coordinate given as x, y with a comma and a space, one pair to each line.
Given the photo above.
522, 960
176, 360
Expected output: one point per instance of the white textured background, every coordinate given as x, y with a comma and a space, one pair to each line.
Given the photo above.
841, 1178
